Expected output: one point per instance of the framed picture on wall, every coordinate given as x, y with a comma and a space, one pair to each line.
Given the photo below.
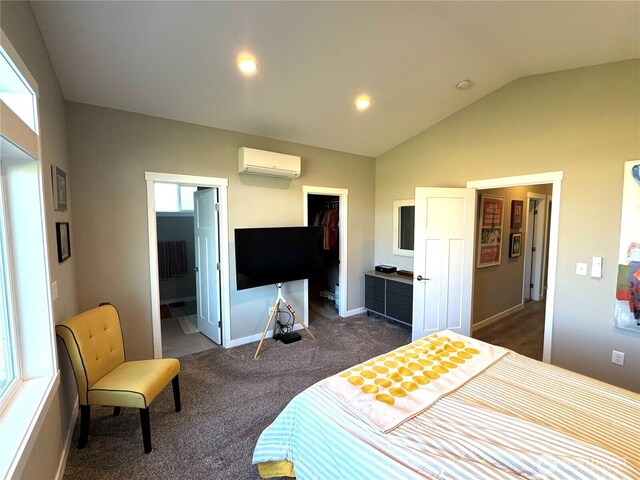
64, 242
515, 245
59, 178
516, 214
627, 306
490, 230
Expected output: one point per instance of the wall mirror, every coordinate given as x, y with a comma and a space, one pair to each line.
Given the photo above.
403, 227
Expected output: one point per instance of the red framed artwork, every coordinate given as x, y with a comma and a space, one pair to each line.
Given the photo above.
490, 230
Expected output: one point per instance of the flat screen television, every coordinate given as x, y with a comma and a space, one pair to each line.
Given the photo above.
266, 256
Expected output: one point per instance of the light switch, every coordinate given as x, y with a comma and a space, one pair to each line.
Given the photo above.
581, 269
54, 291
596, 267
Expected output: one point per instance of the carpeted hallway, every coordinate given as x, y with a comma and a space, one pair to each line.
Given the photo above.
228, 398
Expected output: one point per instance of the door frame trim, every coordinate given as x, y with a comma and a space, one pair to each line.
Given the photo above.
343, 198
222, 184
555, 179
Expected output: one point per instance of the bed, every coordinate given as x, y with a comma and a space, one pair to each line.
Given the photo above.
515, 418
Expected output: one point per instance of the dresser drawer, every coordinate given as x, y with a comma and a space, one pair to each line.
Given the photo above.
399, 301
374, 305
405, 289
373, 282
401, 314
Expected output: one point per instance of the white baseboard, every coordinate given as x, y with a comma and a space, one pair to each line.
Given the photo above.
174, 300
356, 311
254, 338
67, 444
488, 321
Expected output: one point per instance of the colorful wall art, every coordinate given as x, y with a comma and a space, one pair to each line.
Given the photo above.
490, 230
627, 310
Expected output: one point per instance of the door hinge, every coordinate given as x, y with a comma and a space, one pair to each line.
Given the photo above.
535, 212
533, 249
217, 207
218, 266
531, 285
219, 323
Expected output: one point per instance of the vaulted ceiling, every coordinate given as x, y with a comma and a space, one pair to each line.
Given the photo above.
177, 60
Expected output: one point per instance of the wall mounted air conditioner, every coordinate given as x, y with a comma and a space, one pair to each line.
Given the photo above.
261, 162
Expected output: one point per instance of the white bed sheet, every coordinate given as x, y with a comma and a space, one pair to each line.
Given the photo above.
519, 419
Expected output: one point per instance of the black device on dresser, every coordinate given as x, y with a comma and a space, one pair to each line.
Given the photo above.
389, 294
385, 268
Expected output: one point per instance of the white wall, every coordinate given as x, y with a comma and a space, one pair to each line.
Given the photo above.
584, 122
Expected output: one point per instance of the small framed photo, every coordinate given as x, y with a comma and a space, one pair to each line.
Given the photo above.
516, 214
59, 178
64, 242
515, 245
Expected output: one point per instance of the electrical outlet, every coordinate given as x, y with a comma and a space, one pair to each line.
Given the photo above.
617, 358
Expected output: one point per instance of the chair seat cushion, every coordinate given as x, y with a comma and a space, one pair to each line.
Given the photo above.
133, 384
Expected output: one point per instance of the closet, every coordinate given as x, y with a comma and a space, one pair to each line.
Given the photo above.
324, 211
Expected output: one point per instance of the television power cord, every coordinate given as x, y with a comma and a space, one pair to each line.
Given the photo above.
283, 327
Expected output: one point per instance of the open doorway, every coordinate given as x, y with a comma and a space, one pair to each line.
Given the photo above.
327, 207
324, 291
188, 263
549, 260
188, 239
513, 314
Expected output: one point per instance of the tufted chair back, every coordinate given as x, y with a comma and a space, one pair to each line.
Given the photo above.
94, 342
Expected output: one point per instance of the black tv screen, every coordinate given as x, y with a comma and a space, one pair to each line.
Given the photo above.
266, 256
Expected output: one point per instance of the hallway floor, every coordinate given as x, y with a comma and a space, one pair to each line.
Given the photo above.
522, 332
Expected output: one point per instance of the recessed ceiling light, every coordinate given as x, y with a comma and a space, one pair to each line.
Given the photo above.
247, 64
362, 102
464, 84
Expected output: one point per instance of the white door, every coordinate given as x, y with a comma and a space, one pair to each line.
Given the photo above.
535, 247
443, 260
207, 258
529, 251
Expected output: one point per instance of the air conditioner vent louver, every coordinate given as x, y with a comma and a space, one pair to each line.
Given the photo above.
271, 164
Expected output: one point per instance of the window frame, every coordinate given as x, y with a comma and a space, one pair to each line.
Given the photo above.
24, 411
6, 291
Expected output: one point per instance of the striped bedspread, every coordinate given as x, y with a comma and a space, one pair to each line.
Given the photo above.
519, 419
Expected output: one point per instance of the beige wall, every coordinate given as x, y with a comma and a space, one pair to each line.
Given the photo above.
584, 122
109, 152
19, 24
498, 288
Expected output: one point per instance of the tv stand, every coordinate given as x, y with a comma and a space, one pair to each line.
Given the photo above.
274, 311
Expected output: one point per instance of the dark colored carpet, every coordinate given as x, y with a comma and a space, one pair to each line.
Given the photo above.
228, 398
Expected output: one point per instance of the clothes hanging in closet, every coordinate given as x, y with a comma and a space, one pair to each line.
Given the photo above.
328, 220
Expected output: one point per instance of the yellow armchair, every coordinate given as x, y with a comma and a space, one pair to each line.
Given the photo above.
94, 342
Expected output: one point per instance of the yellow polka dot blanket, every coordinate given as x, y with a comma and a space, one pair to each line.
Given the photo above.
392, 388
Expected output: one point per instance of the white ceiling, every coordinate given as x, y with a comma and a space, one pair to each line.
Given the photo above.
177, 60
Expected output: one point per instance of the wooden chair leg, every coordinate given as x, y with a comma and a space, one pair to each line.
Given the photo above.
175, 383
116, 411
146, 429
85, 413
